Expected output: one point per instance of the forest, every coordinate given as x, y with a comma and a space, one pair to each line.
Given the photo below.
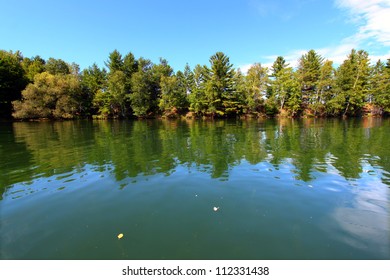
35, 88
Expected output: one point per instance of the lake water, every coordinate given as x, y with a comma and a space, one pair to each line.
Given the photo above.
286, 189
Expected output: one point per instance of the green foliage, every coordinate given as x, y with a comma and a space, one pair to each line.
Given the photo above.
309, 74
112, 101
286, 91
146, 86
114, 62
57, 66
188, 79
278, 65
197, 96
12, 81
130, 65
351, 83
33, 66
256, 84
142, 89
379, 87
113, 90
219, 87
323, 93
116, 89
137, 87
93, 80
173, 93
50, 96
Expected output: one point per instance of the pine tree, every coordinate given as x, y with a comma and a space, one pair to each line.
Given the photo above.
197, 97
219, 84
309, 73
278, 65
173, 94
143, 89
114, 62
286, 92
379, 87
351, 84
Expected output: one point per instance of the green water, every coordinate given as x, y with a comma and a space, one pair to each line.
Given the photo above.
286, 189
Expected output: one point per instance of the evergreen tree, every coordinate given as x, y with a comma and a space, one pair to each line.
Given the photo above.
351, 84
143, 89
114, 62
116, 89
130, 66
309, 73
286, 92
114, 99
197, 97
93, 80
219, 85
239, 85
275, 96
189, 81
324, 89
173, 94
278, 65
379, 87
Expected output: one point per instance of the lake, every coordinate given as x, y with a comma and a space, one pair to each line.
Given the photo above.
283, 189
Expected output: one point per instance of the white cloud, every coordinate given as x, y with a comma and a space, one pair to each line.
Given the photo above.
291, 58
373, 18
283, 10
338, 53
244, 68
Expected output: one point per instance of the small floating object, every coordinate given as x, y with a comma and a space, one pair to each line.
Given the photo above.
120, 235
215, 208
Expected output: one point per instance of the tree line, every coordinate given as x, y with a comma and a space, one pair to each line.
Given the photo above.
128, 87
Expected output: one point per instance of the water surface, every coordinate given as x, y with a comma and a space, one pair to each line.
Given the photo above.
286, 189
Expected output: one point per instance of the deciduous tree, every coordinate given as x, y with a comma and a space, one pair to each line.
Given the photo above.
12, 81
50, 96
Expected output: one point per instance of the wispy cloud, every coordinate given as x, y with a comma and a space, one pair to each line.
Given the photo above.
373, 21
284, 10
373, 18
244, 68
291, 58
338, 53
267, 61
264, 8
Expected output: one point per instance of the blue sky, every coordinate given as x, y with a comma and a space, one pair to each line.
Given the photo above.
181, 31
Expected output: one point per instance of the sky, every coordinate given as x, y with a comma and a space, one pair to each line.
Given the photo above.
190, 31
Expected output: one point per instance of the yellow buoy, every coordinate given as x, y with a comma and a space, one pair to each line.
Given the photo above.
120, 235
